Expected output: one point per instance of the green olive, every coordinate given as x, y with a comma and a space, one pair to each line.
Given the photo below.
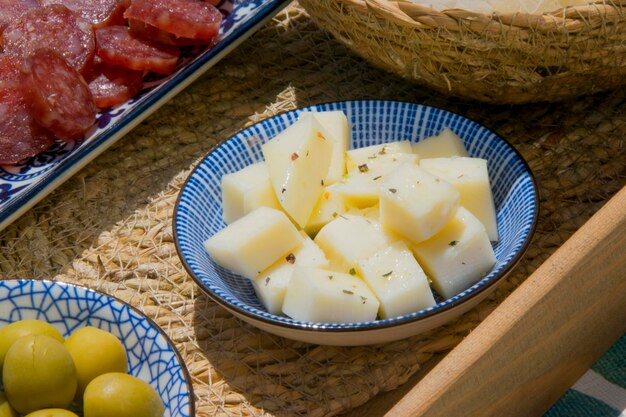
13, 331
95, 352
121, 395
52, 412
38, 373
5, 408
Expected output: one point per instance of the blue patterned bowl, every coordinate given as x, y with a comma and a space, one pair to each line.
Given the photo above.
151, 355
198, 215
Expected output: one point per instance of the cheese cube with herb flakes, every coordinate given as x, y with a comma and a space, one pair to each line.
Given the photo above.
415, 204
253, 242
471, 179
261, 196
323, 296
458, 256
361, 187
330, 205
348, 239
443, 145
367, 154
246, 190
336, 124
298, 160
372, 213
397, 280
270, 285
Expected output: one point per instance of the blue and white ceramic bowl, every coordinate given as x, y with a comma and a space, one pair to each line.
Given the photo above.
151, 355
198, 215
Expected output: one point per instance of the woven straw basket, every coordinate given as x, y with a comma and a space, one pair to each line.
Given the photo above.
498, 58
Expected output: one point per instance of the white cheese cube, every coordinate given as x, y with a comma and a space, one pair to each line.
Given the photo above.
336, 125
457, 256
470, 178
262, 196
297, 160
310, 254
397, 280
372, 213
323, 296
361, 187
443, 145
246, 190
416, 204
330, 205
367, 154
348, 239
271, 284
253, 242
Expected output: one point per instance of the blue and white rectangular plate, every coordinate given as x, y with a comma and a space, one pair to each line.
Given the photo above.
22, 186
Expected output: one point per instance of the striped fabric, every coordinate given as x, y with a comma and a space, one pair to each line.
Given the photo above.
601, 392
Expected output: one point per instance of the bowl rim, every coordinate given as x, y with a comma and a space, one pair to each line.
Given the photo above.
179, 357
376, 325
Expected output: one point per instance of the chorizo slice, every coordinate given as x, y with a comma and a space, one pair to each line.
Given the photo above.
52, 27
9, 71
10, 10
146, 31
20, 136
60, 98
112, 85
192, 19
118, 45
99, 13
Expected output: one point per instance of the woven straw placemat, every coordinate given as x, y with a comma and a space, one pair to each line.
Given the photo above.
109, 227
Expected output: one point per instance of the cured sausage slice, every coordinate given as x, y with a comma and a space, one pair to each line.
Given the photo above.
99, 13
12, 9
193, 19
20, 136
53, 27
9, 71
117, 45
61, 100
112, 85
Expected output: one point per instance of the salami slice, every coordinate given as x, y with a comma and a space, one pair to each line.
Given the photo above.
99, 13
117, 45
52, 27
20, 136
193, 19
10, 10
61, 99
9, 71
112, 85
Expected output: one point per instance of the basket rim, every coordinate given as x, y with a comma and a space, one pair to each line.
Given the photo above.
570, 18
495, 58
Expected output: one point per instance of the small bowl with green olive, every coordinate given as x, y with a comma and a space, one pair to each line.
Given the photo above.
68, 351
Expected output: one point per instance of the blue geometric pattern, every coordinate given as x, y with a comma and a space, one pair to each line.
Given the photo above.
151, 355
198, 214
21, 186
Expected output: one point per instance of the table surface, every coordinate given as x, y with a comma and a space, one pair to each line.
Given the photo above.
109, 227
